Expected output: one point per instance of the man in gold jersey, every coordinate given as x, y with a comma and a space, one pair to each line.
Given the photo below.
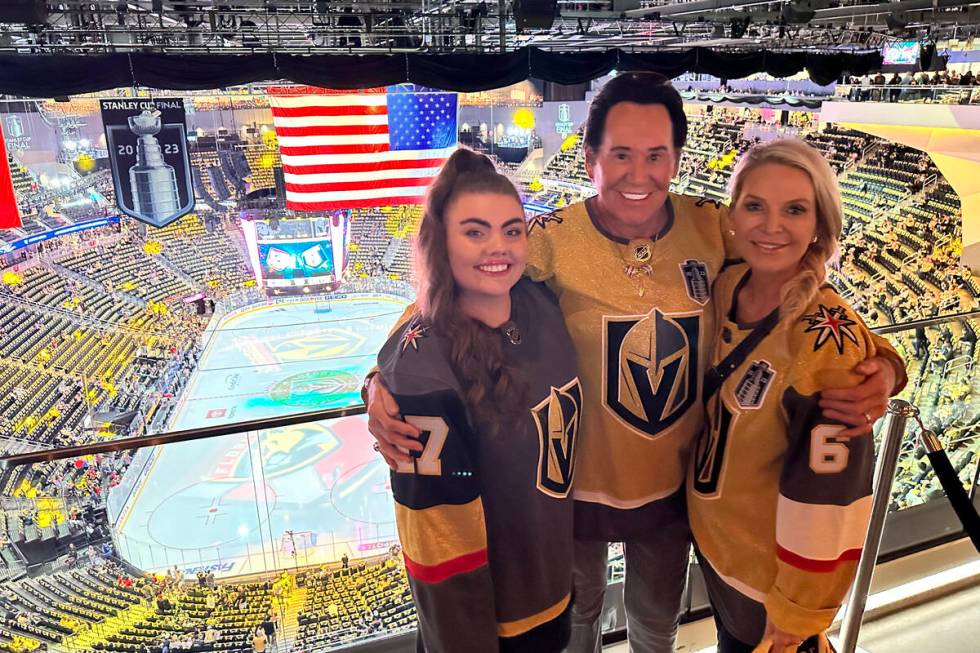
632, 268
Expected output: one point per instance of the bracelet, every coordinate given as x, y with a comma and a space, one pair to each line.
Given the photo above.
367, 385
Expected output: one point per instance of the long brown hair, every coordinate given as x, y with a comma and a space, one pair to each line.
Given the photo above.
476, 352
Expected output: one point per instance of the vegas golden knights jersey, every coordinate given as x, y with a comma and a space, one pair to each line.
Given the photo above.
778, 505
638, 314
485, 519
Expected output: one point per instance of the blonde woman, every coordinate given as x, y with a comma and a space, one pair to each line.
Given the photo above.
778, 502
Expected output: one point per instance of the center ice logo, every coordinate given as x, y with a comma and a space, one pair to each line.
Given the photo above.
284, 451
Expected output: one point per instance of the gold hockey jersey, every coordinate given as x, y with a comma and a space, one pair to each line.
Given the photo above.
778, 505
638, 314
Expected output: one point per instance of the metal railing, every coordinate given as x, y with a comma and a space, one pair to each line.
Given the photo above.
187, 435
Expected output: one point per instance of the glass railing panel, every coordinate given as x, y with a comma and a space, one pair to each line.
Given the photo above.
940, 360
933, 94
255, 502
301, 498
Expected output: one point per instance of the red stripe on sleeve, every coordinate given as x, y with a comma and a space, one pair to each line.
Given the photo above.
448, 569
816, 566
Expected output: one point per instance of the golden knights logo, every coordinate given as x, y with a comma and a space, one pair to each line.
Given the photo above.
696, 281
557, 419
831, 325
751, 390
542, 219
650, 376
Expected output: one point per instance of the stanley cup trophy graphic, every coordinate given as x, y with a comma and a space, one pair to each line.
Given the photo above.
152, 181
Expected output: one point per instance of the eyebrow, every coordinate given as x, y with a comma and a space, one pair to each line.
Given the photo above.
484, 223
659, 148
803, 200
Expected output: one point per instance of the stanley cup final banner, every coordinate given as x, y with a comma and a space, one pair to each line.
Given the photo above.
151, 170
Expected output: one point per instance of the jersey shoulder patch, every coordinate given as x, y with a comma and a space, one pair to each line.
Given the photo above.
416, 331
541, 220
831, 325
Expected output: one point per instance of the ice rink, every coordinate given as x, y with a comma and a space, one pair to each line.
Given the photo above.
229, 502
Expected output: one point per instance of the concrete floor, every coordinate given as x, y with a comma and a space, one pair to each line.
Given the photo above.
936, 622
948, 625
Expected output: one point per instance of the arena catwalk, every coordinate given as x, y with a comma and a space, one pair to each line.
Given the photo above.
294, 495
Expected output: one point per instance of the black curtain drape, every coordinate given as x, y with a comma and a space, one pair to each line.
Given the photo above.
60, 75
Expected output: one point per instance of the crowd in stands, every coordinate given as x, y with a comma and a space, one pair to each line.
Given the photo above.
97, 603
380, 243
353, 602
915, 87
94, 323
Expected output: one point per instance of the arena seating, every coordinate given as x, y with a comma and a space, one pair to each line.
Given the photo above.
261, 161
207, 161
80, 332
346, 604
380, 243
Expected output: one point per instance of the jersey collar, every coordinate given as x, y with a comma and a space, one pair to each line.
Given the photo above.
594, 217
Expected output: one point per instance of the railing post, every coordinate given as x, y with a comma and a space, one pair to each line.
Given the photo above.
898, 412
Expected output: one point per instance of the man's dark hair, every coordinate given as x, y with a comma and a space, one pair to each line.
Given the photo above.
641, 88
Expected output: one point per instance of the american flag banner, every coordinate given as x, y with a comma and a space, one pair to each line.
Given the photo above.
342, 151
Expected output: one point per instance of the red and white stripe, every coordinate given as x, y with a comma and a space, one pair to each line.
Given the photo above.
820, 537
336, 154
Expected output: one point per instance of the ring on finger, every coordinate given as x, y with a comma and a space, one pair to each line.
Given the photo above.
867, 418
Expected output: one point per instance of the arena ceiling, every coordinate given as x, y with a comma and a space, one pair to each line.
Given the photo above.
320, 26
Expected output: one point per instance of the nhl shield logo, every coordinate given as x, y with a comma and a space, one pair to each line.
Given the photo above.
751, 390
15, 126
557, 418
695, 275
650, 376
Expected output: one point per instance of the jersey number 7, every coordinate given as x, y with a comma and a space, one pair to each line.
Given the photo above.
433, 431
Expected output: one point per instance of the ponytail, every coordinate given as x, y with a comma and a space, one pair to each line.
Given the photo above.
476, 352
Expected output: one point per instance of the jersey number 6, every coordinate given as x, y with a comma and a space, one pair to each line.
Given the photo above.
432, 434
828, 455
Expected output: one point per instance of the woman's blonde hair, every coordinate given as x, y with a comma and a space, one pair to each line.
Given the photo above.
799, 291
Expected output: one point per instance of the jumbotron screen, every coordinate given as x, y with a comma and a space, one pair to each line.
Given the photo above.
296, 262
901, 53
294, 253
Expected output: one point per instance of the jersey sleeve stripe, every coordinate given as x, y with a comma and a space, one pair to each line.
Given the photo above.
821, 531
443, 571
817, 566
521, 626
432, 536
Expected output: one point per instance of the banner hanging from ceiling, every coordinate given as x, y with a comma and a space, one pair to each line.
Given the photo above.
151, 170
9, 215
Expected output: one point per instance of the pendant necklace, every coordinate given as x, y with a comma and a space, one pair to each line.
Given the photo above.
637, 258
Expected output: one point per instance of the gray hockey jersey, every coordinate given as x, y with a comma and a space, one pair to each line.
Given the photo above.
485, 520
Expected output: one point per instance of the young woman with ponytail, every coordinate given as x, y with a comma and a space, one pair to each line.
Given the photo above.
778, 500
485, 372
